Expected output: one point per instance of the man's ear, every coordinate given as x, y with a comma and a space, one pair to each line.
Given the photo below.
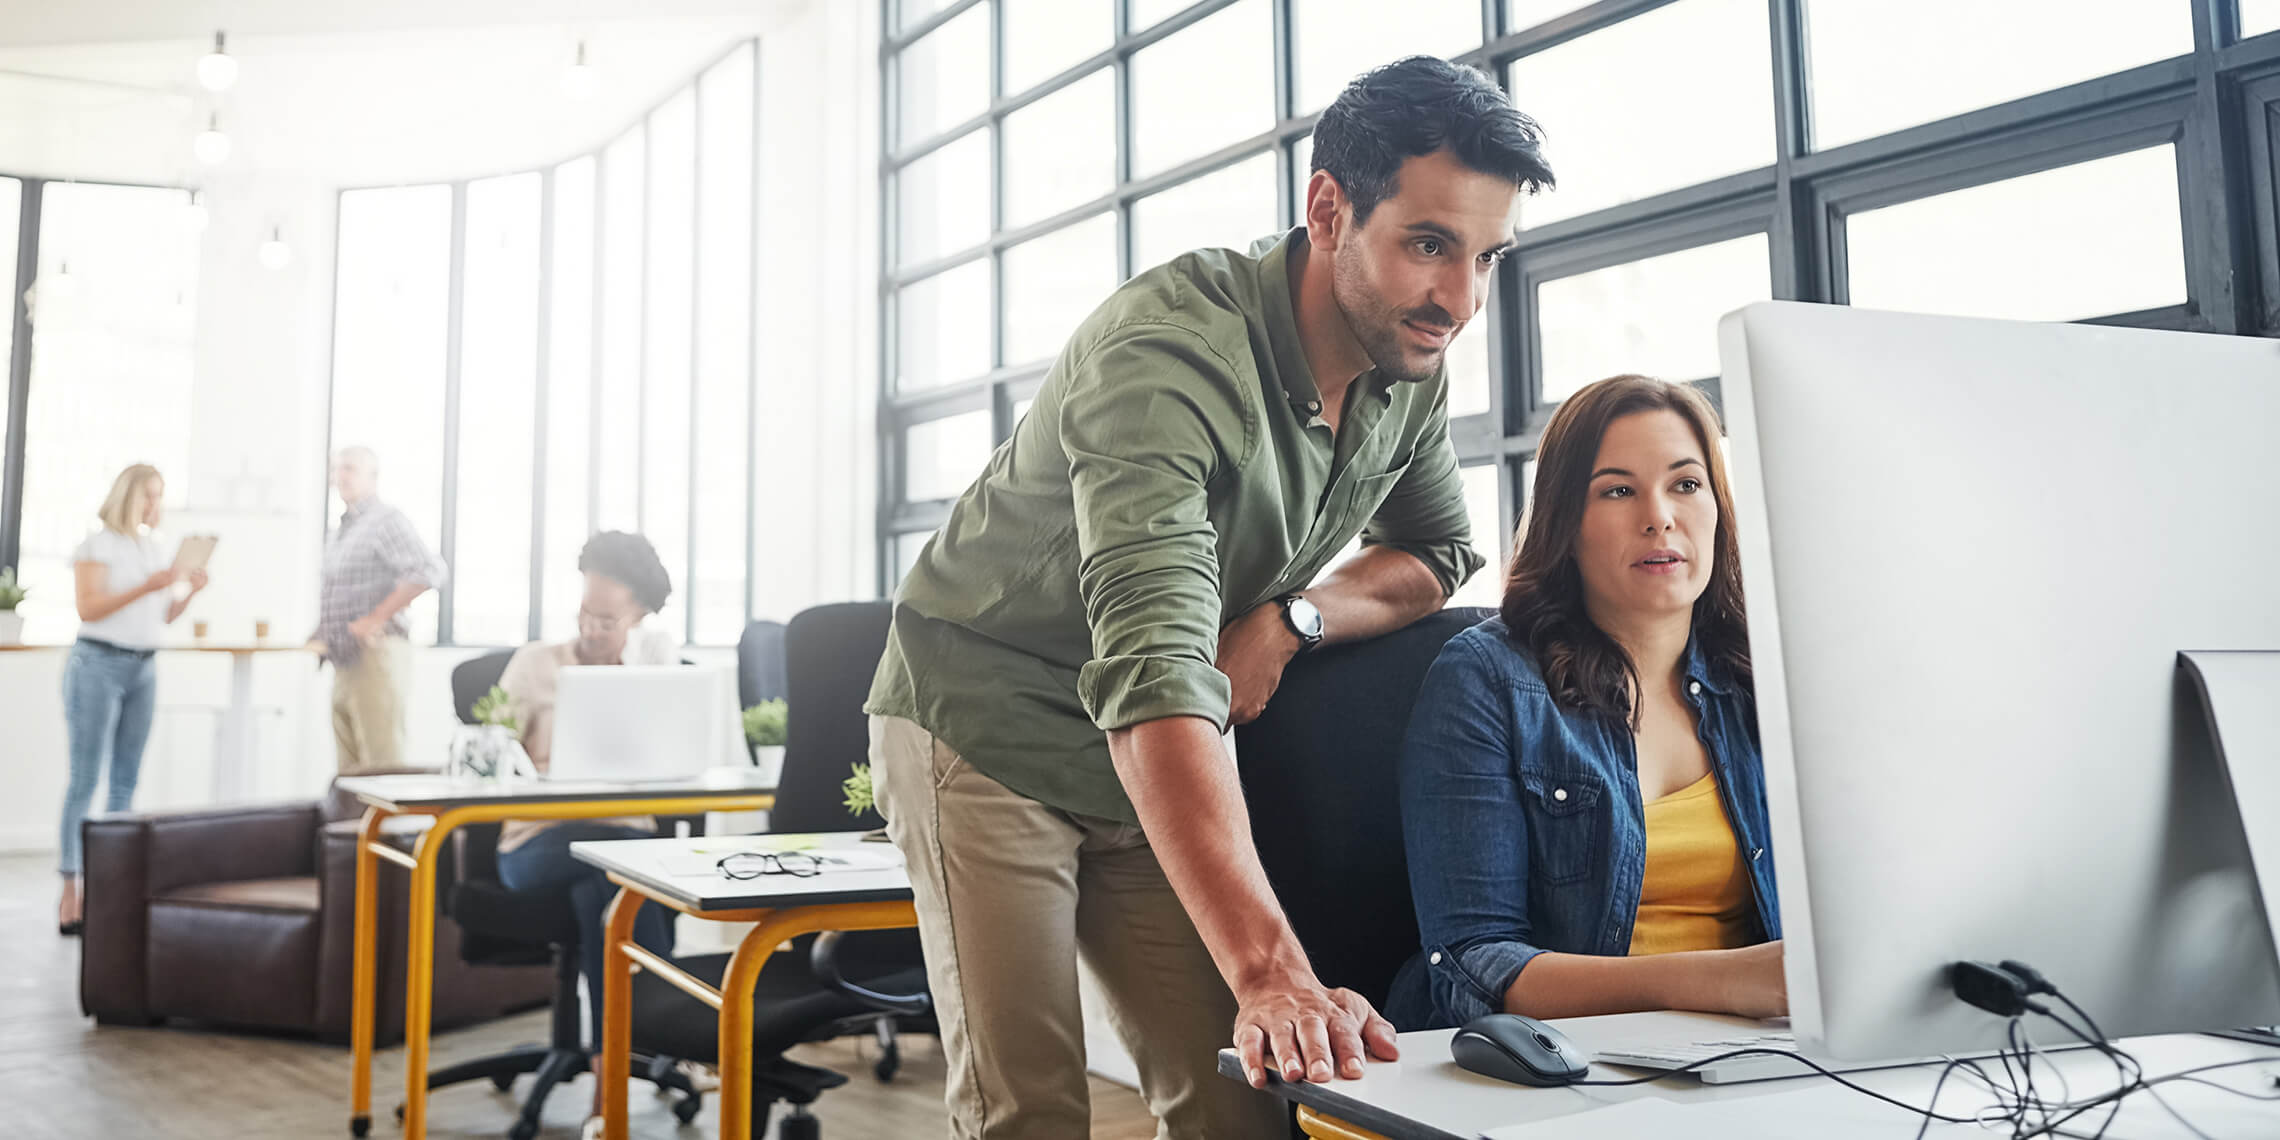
1327, 211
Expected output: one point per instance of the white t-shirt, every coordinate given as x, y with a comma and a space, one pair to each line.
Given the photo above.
128, 561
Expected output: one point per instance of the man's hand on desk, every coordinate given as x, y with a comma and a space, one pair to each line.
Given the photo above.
1308, 1032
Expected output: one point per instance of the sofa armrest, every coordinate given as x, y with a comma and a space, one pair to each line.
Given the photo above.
113, 979
227, 845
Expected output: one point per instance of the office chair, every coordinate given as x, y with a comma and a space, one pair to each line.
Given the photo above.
807, 995
1319, 772
760, 663
513, 928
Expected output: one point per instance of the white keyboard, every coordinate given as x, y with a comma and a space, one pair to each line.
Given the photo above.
1749, 1067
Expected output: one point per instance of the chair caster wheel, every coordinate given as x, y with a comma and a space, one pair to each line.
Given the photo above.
504, 1082
800, 1126
360, 1126
523, 1130
887, 1067
686, 1109
399, 1114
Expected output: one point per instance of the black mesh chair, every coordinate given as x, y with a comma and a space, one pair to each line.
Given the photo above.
830, 985
517, 928
1319, 773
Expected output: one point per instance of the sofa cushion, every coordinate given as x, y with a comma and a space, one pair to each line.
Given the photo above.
296, 895
249, 963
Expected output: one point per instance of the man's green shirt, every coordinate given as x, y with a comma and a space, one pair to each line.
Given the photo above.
1174, 472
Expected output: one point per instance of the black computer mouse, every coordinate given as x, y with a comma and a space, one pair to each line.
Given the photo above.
1519, 1049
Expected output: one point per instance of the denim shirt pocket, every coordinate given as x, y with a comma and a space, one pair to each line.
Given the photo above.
1564, 824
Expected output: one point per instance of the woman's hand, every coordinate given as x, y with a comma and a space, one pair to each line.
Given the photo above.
164, 579
197, 581
1752, 983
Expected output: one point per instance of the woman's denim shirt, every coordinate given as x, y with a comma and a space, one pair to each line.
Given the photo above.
1524, 826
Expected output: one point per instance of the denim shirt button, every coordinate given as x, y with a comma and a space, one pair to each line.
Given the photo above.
1755, 852
1694, 687
1560, 794
1436, 958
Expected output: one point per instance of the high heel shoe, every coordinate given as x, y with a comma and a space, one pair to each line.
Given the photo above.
72, 929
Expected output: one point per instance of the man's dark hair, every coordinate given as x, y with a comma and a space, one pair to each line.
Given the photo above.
629, 560
1416, 106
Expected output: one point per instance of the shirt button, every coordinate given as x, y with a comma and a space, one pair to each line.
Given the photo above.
1436, 958
1560, 794
1694, 687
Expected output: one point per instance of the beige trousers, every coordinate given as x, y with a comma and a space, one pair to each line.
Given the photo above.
1009, 893
368, 707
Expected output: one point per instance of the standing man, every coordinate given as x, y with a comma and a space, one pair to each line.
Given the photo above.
375, 564
1129, 576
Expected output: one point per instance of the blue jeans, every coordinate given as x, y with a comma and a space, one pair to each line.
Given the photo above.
108, 696
543, 863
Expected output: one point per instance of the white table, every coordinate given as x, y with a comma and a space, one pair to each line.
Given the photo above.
452, 804
233, 733
1425, 1096
233, 730
782, 907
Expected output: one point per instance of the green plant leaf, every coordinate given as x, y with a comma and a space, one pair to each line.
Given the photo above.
858, 789
766, 723
496, 708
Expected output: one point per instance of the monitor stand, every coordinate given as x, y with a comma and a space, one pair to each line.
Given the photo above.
2240, 700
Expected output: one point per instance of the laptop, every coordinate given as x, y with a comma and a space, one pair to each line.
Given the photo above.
630, 723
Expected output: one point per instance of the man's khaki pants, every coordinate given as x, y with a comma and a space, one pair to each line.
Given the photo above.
368, 707
1009, 892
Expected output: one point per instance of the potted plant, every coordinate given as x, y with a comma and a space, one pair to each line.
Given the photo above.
11, 622
765, 725
491, 748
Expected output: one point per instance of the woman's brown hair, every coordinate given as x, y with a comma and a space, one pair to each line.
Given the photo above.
1543, 609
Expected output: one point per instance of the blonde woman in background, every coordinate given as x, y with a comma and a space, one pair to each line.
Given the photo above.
125, 589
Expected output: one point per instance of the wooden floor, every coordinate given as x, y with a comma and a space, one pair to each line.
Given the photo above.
64, 1078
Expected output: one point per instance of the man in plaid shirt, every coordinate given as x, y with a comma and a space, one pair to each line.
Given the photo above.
375, 564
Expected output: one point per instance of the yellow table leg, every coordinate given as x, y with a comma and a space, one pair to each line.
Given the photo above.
1322, 1127
775, 929
362, 983
613, 1068
419, 972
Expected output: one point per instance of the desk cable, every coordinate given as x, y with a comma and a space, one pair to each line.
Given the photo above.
2009, 990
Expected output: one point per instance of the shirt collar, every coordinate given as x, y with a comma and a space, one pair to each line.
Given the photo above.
1700, 668
358, 510
1291, 368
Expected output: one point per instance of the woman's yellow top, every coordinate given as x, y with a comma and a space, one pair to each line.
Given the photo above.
1696, 891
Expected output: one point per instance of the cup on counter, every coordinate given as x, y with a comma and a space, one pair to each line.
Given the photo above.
198, 630
261, 629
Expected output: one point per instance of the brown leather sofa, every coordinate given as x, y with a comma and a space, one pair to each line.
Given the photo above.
245, 917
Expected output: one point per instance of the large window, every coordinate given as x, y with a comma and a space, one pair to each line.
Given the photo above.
112, 310
597, 372
2018, 159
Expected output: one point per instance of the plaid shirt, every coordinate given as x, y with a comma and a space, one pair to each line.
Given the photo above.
371, 552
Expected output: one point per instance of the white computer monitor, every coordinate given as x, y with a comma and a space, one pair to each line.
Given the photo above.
1972, 551
644, 722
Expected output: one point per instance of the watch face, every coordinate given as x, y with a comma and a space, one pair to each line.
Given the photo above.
1305, 618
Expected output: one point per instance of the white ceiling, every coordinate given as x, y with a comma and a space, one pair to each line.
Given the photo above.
340, 92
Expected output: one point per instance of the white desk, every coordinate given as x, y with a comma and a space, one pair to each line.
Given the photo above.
1425, 1096
782, 906
452, 804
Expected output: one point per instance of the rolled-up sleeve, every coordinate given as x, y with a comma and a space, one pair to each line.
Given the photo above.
1152, 415
1424, 516
406, 557
1466, 836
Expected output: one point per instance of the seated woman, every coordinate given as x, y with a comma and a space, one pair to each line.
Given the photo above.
1581, 790
625, 582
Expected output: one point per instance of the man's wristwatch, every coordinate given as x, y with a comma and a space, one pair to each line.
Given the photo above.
1303, 620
